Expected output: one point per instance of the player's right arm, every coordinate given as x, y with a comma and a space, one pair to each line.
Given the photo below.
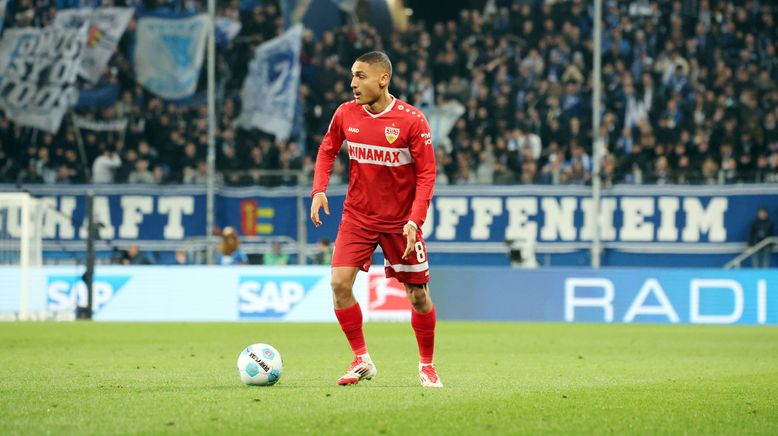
328, 152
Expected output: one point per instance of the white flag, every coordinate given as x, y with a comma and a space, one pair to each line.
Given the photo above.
169, 53
272, 84
105, 28
38, 69
442, 120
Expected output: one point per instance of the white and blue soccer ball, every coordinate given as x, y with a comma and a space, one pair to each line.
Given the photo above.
260, 365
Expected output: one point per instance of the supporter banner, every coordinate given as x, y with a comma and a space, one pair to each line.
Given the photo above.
645, 218
169, 53
270, 89
100, 126
38, 72
105, 28
248, 293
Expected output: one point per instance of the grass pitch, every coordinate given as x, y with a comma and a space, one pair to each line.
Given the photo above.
87, 378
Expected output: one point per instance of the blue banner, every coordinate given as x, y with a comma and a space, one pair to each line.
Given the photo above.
169, 53
666, 222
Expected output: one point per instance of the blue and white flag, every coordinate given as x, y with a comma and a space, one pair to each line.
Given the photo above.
169, 53
226, 30
271, 86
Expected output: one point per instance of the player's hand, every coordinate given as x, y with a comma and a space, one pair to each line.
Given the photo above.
409, 231
319, 201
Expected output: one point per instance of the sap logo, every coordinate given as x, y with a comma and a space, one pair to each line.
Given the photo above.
353, 130
710, 301
271, 297
66, 292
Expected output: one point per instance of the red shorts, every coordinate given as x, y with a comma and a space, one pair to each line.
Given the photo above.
355, 245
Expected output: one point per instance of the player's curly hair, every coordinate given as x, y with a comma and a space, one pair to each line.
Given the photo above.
377, 57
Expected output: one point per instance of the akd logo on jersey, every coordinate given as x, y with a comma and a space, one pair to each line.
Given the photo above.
392, 133
272, 296
66, 292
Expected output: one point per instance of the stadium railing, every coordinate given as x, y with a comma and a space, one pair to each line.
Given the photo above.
750, 251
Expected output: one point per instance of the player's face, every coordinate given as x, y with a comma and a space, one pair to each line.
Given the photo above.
367, 82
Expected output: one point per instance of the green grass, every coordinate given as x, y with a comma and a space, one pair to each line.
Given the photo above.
79, 378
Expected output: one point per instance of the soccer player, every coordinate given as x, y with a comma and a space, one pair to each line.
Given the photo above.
391, 177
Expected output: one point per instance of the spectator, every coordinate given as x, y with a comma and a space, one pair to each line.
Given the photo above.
31, 175
198, 176
133, 256
180, 258
229, 249
158, 173
141, 174
708, 70
275, 256
104, 166
324, 255
761, 228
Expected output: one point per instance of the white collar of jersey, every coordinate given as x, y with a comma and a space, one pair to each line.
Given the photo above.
388, 108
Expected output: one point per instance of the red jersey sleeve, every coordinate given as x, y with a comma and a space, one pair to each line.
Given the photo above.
423, 155
328, 152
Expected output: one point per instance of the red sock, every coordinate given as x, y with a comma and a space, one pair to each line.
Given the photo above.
424, 326
350, 320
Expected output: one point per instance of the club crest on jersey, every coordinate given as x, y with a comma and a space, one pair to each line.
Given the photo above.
392, 133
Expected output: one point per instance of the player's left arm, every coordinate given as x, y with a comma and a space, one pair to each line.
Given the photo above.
423, 155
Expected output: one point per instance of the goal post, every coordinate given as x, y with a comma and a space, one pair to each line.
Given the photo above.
21, 252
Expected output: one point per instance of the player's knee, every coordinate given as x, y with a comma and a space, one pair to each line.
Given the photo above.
340, 287
417, 294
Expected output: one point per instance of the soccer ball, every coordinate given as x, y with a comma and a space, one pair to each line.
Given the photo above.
260, 365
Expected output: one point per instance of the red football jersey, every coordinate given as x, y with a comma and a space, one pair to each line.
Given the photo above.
392, 164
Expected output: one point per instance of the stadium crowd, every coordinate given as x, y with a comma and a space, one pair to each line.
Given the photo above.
689, 96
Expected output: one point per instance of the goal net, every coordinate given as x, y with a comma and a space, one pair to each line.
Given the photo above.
22, 293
